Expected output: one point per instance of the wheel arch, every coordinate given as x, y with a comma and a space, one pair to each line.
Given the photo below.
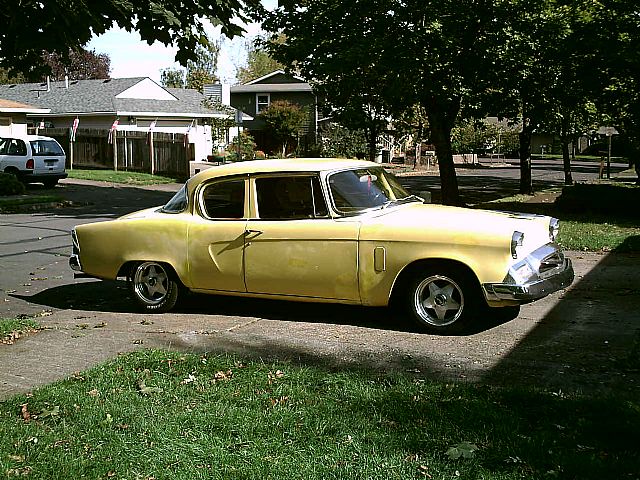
126, 267
408, 272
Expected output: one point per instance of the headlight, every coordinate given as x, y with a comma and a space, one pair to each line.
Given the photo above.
554, 227
517, 240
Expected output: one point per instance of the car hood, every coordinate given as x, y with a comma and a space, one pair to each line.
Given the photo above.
454, 225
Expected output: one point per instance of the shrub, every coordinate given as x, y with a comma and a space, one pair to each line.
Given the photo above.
10, 185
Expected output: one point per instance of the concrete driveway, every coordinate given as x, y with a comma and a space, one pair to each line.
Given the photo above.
582, 339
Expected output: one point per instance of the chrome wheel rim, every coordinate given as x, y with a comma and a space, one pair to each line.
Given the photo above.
151, 283
438, 300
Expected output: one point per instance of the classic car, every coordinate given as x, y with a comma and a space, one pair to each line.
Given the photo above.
326, 230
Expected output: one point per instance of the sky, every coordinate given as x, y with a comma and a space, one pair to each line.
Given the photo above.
132, 57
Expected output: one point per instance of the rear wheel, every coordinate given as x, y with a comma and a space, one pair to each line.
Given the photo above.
154, 287
442, 300
50, 183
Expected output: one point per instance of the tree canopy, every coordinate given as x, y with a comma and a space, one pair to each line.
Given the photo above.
542, 64
80, 64
28, 28
199, 72
284, 120
259, 62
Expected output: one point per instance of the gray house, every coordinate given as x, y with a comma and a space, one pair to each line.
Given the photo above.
119, 115
254, 96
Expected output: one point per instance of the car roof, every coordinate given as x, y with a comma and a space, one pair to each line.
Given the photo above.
281, 165
27, 137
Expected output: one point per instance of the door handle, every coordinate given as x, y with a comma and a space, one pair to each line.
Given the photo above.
250, 232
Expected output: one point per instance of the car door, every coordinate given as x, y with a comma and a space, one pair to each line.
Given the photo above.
294, 247
216, 236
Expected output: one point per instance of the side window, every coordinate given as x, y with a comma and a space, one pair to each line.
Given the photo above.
16, 147
4, 144
294, 197
223, 199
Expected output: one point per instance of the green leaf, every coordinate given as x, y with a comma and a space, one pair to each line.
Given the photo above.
145, 390
462, 450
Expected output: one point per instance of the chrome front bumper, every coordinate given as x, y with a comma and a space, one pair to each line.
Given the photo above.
74, 263
549, 271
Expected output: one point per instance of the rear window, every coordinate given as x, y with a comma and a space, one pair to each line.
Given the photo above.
45, 147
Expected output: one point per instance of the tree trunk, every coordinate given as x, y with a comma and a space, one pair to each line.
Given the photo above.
526, 184
371, 141
565, 138
441, 135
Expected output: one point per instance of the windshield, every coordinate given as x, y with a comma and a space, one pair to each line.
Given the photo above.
178, 203
356, 190
45, 147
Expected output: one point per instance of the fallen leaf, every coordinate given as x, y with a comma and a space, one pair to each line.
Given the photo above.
24, 410
462, 450
100, 325
191, 378
54, 412
16, 458
145, 390
223, 375
94, 392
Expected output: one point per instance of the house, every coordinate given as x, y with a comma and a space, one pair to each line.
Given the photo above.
255, 96
13, 117
118, 120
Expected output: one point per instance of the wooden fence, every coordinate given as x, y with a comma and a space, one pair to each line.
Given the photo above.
132, 151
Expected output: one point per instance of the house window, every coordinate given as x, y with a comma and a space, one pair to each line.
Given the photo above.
262, 101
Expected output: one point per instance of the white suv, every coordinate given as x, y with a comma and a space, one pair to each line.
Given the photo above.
33, 159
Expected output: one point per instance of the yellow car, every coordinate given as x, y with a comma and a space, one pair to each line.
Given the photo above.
325, 230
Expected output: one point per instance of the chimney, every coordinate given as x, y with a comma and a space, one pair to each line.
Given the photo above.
66, 82
48, 83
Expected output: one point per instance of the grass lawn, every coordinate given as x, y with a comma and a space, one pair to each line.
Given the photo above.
594, 217
128, 178
157, 414
13, 328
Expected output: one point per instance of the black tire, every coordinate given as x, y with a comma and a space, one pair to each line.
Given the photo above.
154, 287
442, 300
50, 183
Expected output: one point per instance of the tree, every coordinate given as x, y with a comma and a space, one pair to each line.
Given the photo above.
199, 72
259, 62
28, 28
6, 77
397, 53
338, 141
79, 64
172, 78
284, 120
202, 69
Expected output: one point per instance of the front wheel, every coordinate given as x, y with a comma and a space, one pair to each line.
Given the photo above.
442, 300
153, 287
